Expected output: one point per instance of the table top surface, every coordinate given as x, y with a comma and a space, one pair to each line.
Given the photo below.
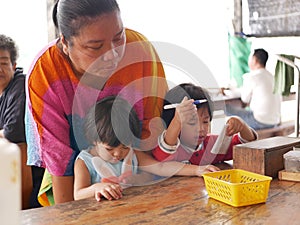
177, 200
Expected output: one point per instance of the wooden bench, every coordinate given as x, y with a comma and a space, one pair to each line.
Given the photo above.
284, 129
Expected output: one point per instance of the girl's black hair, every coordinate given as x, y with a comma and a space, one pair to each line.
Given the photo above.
70, 15
176, 94
113, 121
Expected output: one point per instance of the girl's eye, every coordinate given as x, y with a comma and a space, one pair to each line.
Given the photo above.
125, 147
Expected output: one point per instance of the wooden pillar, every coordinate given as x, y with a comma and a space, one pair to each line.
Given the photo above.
52, 32
26, 177
238, 17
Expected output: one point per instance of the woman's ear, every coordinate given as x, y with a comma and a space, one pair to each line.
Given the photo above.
14, 66
64, 44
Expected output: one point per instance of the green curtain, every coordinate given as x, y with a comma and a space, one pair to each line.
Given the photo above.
239, 51
284, 76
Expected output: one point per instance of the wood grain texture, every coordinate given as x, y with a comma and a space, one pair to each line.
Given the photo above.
263, 156
26, 176
178, 200
291, 176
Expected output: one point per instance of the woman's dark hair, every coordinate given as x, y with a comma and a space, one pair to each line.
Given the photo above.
176, 94
113, 121
70, 15
8, 44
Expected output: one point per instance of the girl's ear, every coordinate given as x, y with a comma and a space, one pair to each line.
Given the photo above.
64, 43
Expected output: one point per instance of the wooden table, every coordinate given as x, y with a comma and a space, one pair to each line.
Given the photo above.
234, 99
220, 102
178, 200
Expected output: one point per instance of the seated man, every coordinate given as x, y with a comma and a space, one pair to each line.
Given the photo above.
12, 107
12, 91
264, 106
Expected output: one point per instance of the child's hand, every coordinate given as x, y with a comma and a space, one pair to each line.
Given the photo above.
185, 111
206, 169
235, 125
108, 190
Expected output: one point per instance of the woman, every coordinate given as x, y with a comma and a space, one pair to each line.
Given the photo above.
95, 56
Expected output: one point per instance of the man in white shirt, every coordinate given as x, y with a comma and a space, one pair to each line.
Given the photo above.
264, 106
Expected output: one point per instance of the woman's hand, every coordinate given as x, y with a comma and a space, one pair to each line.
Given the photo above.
108, 190
206, 169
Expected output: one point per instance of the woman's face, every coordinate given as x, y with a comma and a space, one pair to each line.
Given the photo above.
7, 69
99, 46
195, 131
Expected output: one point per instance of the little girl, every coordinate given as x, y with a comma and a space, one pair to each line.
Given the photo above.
187, 137
110, 164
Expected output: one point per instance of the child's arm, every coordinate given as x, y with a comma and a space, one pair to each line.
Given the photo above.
84, 189
171, 168
236, 124
184, 111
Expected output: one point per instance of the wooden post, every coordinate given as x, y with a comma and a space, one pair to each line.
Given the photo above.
26, 177
238, 16
52, 32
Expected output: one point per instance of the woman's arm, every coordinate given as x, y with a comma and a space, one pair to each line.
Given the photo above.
171, 168
62, 187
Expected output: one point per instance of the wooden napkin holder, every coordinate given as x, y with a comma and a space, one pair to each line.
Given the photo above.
263, 156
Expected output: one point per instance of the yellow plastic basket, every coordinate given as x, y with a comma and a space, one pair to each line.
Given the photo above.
237, 187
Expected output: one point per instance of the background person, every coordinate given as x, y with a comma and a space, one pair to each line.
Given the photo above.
95, 56
12, 108
12, 91
264, 109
